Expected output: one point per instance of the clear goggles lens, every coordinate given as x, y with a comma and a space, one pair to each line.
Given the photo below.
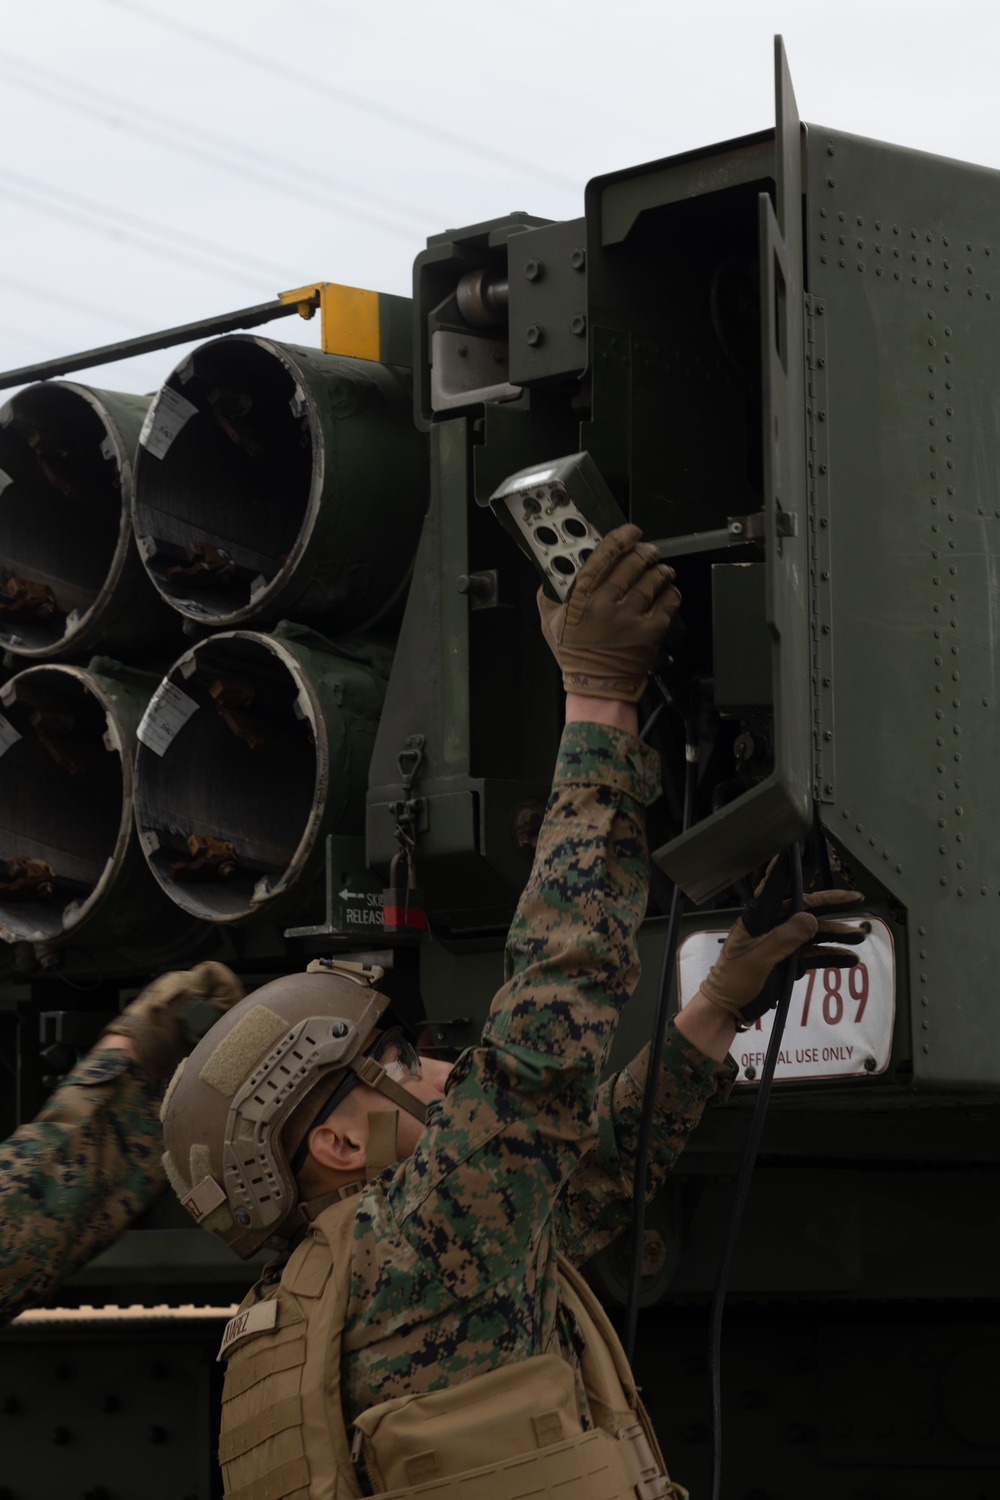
398, 1057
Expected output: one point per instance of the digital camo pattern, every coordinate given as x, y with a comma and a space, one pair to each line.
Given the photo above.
75, 1177
455, 1250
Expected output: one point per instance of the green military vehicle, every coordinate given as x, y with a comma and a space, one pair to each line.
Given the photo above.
275, 688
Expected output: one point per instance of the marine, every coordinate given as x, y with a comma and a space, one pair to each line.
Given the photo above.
424, 1329
75, 1177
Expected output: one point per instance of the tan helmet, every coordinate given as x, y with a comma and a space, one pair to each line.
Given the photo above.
227, 1103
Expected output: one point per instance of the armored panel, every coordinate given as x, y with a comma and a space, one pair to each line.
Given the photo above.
904, 273
696, 266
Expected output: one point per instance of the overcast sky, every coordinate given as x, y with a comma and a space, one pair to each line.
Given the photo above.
165, 160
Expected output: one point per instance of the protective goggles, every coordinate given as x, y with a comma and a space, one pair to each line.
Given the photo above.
390, 1056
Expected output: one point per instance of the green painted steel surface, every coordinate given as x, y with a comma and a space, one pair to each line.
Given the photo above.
904, 269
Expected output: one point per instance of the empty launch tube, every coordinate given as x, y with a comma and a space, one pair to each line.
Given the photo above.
277, 482
253, 748
71, 580
71, 868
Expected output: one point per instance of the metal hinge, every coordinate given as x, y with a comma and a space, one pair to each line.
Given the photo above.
820, 581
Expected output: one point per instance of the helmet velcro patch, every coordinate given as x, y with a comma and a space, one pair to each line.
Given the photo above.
200, 1162
238, 1052
175, 1179
170, 1089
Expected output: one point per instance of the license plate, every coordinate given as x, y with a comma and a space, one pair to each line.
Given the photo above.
839, 1020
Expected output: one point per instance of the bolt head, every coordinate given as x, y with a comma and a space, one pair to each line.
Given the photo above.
578, 325
534, 335
578, 259
534, 270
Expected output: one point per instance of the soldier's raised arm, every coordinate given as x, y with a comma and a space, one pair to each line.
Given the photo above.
74, 1178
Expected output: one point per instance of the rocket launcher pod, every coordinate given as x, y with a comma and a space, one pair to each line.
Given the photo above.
253, 748
273, 481
70, 578
71, 869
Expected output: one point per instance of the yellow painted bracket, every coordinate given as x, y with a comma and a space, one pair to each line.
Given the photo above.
358, 323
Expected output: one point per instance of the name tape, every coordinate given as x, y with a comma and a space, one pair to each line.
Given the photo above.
256, 1319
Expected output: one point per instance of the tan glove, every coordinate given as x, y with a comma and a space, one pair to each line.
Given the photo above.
607, 635
173, 1013
743, 980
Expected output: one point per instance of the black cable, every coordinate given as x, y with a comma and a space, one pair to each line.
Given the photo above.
653, 719
743, 1183
656, 1048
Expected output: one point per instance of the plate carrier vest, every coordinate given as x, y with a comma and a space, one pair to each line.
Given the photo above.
514, 1431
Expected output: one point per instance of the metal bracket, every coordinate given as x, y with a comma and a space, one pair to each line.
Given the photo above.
356, 322
408, 812
353, 896
739, 531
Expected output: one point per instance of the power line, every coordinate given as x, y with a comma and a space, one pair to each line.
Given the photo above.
173, 244
409, 123
32, 340
53, 298
207, 147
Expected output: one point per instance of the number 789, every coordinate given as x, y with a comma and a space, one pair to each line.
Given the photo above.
833, 996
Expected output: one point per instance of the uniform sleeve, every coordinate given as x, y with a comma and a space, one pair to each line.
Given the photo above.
75, 1177
597, 1201
479, 1194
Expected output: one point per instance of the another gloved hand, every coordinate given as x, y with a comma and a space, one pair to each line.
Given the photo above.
173, 1013
743, 980
607, 635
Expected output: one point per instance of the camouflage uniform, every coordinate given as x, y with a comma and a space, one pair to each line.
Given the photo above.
74, 1178
454, 1266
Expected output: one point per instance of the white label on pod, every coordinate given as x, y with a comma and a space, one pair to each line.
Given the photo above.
165, 717
164, 420
8, 735
839, 1020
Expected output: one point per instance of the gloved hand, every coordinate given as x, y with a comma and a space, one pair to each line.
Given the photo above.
173, 1013
607, 635
743, 980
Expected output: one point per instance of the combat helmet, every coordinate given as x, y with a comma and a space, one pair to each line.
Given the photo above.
227, 1104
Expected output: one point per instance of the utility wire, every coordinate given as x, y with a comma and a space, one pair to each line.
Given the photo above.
116, 113
172, 244
51, 298
410, 123
32, 340
145, 226
308, 172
